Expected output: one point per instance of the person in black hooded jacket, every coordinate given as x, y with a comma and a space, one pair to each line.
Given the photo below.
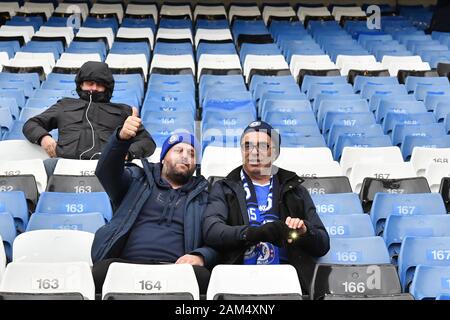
85, 125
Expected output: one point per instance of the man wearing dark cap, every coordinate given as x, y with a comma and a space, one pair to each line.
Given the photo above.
84, 125
158, 209
260, 214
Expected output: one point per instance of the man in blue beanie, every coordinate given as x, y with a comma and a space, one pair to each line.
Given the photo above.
260, 214
157, 209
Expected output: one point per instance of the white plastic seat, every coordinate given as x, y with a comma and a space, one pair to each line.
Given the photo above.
212, 34
4, 58
253, 280
32, 7
422, 157
352, 155
97, 33
30, 62
218, 61
101, 8
76, 60
394, 64
302, 12
74, 167
159, 280
46, 57
209, 10
53, 246
434, 174
176, 10
136, 33
17, 31
34, 167
338, 12
166, 33
128, 61
298, 156
284, 11
49, 278
80, 7
269, 62
21, 150
384, 170
331, 169
248, 11
66, 32
315, 62
345, 63
10, 7
147, 9
169, 62
219, 161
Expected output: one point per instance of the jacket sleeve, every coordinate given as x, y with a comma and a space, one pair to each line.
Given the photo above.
110, 170
143, 144
39, 126
208, 254
216, 232
316, 241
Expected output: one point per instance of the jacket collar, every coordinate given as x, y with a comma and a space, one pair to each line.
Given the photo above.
284, 176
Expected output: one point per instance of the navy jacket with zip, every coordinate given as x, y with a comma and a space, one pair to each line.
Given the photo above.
129, 187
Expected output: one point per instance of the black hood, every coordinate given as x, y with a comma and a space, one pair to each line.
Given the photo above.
98, 72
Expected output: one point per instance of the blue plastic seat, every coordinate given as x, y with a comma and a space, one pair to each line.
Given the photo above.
139, 23
422, 90
293, 120
432, 100
433, 130
309, 80
431, 282
15, 203
54, 94
292, 140
92, 22
411, 141
341, 203
257, 49
57, 22
98, 47
337, 130
59, 85
283, 106
119, 47
211, 24
181, 48
40, 102
11, 104
28, 113
67, 202
15, 93
360, 142
374, 102
25, 87
215, 48
349, 119
8, 232
386, 106
441, 110
399, 226
332, 97
226, 100
55, 47
175, 23
370, 89
361, 81
412, 82
415, 251
34, 21
164, 124
89, 222
338, 89
277, 81
393, 119
386, 204
356, 251
347, 225
10, 47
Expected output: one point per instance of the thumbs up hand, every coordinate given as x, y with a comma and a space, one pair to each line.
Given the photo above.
130, 126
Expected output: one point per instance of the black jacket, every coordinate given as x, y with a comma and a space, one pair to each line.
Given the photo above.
226, 220
69, 116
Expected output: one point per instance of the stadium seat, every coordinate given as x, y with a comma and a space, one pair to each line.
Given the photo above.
399, 226
421, 158
125, 281
47, 281
7, 232
60, 202
431, 283
245, 282
317, 169
401, 131
73, 183
420, 250
356, 251
219, 161
410, 142
21, 167
89, 222
23, 182
359, 141
385, 204
341, 203
346, 281
53, 246
326, 185
347, 225
352, 155
385, 170
434, 174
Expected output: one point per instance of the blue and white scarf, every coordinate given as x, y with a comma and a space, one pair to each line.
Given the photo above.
263, 252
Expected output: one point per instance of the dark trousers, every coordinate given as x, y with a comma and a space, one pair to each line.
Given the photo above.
100, 269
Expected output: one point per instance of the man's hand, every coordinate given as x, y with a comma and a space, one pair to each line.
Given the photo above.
191, 259
296, 224
49, 145
130, 126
